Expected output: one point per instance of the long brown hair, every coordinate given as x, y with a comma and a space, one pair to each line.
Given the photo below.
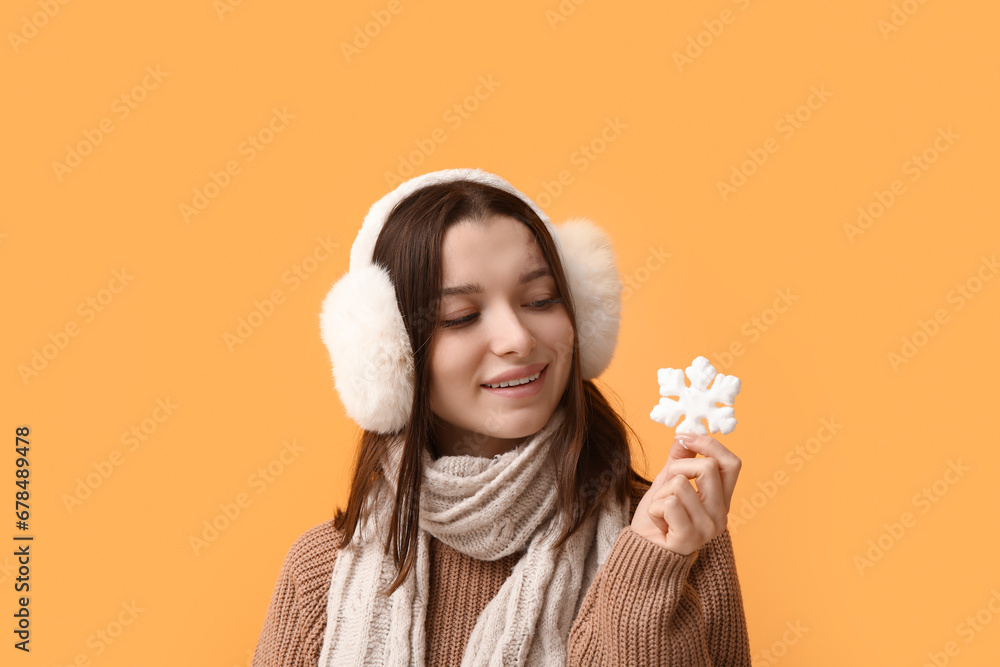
590, 450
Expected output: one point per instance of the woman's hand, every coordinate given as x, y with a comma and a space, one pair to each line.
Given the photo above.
672, 514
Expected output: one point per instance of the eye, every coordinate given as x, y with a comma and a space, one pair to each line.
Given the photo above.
543, 304
460, 321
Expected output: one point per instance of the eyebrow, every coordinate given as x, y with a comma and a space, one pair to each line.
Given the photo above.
477, 288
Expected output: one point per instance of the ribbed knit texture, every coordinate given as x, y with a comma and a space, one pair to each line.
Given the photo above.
647, 605
486, 509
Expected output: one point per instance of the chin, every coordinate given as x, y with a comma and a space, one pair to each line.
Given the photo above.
524, 426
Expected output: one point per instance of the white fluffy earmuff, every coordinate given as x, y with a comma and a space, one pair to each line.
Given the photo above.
361, 325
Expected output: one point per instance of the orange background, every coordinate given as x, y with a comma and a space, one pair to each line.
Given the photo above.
561, 73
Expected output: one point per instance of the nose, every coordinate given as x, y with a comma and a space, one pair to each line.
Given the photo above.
508, 334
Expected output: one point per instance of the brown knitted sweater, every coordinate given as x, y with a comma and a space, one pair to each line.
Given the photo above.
647, 605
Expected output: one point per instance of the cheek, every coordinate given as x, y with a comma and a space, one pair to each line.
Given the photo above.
450, 366
564, 337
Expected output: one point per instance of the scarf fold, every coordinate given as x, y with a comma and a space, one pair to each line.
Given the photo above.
486, 509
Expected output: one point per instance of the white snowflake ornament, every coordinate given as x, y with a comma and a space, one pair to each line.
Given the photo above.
698, 401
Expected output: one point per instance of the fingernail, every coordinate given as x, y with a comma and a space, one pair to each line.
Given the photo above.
681, 442
685, 437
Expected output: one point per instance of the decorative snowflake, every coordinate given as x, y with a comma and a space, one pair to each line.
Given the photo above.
696, 402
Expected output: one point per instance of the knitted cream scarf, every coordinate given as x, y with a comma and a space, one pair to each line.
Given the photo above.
486, 509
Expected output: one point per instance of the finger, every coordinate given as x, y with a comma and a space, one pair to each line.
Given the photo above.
700, 523
705, 473
680, 449
729, 463
671, 517
656, 511
677, 452
661, 477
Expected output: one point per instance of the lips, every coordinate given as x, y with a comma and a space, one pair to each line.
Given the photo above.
516, 374
520, 382
520, 392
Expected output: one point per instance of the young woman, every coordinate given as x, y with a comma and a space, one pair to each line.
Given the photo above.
494, 516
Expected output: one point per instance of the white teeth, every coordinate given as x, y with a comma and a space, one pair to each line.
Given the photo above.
514, 383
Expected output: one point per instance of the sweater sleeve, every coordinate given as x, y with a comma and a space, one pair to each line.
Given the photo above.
293, 630
649, 606
714, 578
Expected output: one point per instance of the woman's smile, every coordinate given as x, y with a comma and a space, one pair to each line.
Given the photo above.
529, 388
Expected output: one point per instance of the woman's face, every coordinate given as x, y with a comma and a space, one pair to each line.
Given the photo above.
492, 325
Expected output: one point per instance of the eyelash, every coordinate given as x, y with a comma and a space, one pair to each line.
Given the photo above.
468, 318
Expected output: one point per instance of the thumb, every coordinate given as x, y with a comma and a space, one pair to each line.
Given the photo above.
677, 451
